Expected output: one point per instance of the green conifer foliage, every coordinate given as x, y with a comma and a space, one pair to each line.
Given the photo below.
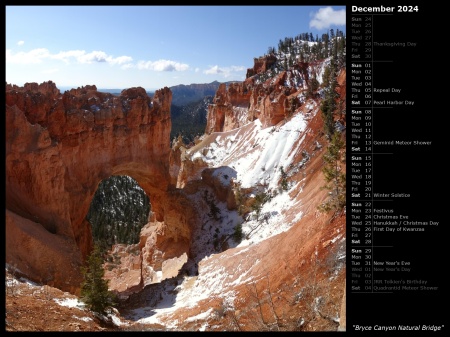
334, 174
94, 288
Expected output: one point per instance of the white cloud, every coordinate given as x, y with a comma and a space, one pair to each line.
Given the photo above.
162, 65
225, 71
100, 56
38, 55
326, 17
20, 43
119, 60
67, 55
127, 66
32, 57
213, 70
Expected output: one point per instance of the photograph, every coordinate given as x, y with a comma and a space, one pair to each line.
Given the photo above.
190, 168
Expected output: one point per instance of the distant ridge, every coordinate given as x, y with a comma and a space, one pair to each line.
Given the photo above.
182, 94
112, 91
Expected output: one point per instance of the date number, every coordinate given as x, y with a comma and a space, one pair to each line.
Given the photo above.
402, 9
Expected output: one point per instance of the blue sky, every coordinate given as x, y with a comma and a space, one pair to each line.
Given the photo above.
150, 46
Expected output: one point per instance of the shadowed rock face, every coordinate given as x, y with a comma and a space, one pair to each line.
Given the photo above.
59, 147
237, 104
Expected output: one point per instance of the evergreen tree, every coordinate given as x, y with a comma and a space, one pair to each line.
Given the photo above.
313, 85
271, 50
238, 234
334, 174
292, 60
94, 288
341, 52
327, 108
328, 105
326, 76
119, 208
326, 39
284, 183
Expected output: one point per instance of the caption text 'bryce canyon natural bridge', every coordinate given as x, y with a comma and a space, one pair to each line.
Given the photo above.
59, 147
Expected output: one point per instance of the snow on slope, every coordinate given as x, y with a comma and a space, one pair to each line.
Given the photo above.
256, 153
252, 156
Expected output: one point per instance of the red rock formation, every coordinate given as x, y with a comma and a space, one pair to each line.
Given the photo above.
298, 266
341, 89
223, 192
271, 101
58, 149
240, 103
261, 65
229, 108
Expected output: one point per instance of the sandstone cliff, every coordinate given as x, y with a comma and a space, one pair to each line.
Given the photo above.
270, 101
286, 273
293, 279
58, 148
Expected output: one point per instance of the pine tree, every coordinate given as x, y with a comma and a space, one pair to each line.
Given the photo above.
334, 174
94, 288
328, 105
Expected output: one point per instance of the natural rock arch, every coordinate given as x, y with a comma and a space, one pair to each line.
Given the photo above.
59, 147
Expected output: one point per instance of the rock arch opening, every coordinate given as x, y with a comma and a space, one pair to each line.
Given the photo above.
59, 147
119, 210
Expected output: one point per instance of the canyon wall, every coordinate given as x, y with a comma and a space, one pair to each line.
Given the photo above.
59, 147
270, 101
